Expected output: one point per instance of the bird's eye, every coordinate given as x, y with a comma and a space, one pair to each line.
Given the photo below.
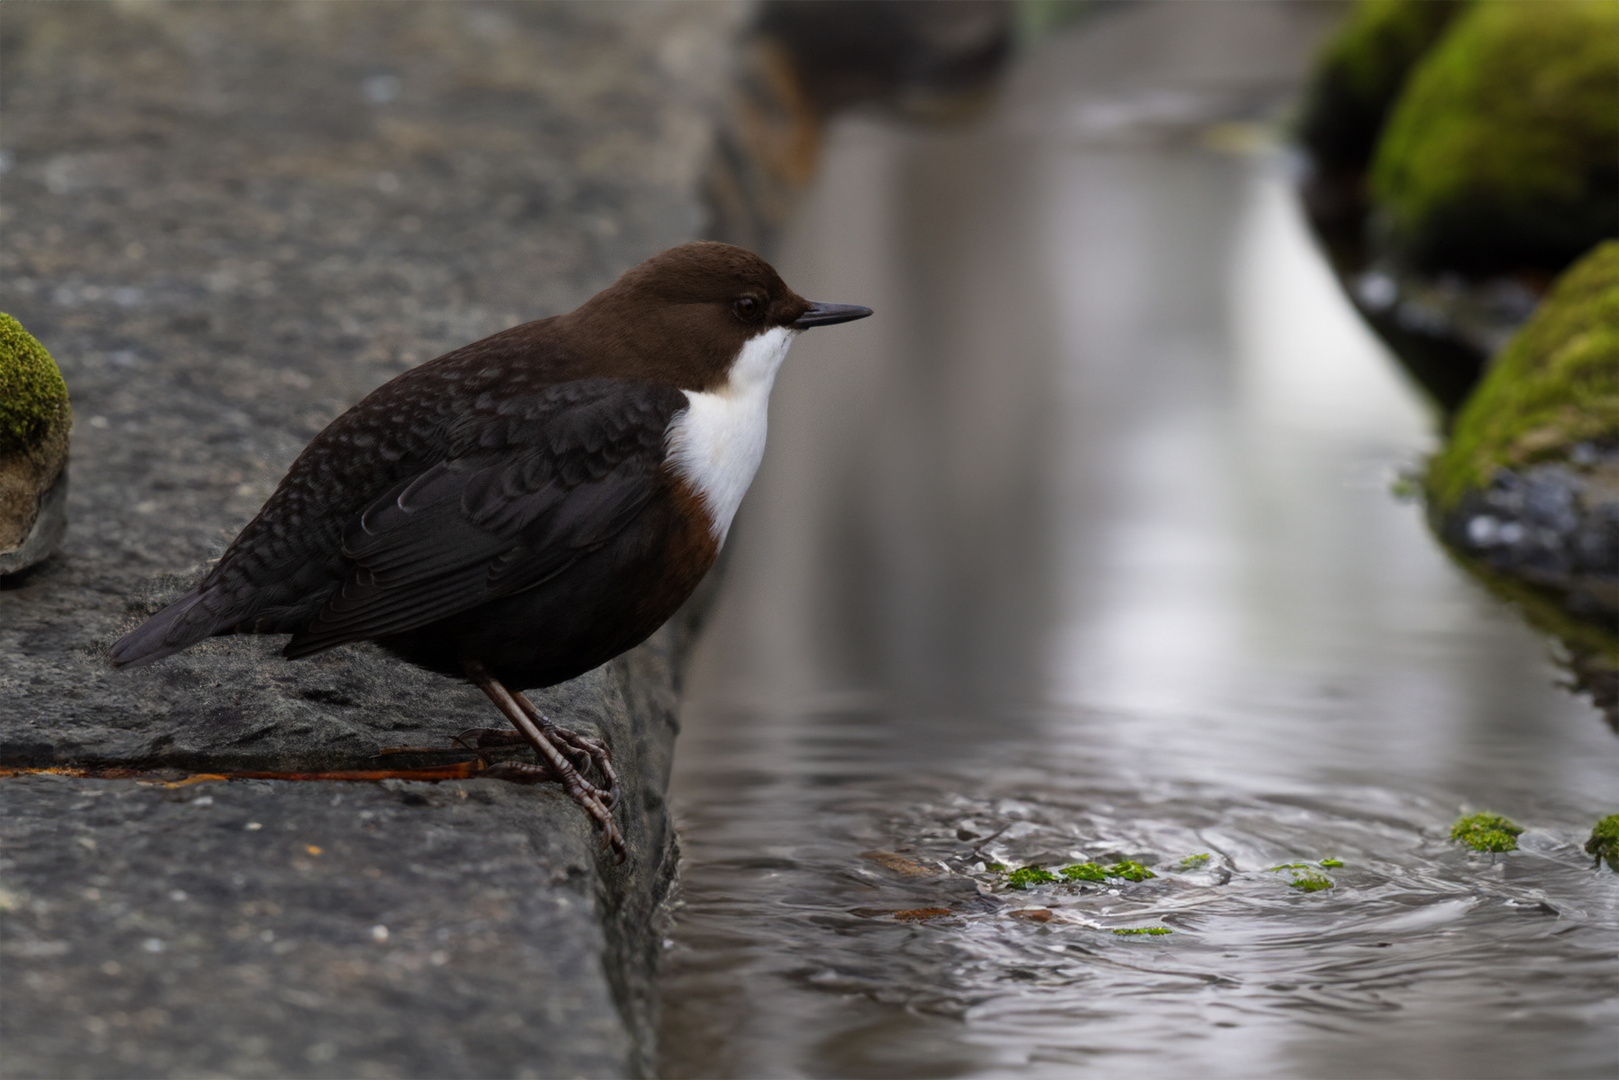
746, 308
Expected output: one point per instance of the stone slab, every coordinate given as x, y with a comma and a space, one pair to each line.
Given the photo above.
228, 223
285, 929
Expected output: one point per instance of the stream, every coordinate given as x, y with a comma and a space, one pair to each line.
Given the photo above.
1084, 548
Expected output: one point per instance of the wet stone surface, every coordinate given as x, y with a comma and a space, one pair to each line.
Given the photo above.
1555, 524
369, 930
228, 225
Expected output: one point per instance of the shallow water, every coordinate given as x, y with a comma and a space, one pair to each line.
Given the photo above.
1083, 549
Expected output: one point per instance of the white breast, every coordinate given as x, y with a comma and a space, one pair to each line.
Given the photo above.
716, 445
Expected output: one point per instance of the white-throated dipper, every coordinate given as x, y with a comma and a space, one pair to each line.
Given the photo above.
525, 508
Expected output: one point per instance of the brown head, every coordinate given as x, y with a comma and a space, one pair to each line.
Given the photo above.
683, 316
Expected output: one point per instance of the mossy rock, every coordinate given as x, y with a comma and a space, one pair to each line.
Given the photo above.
1555, 385
1499, 155
33, 397
1604, 842
1360, 74
1486, 832
35, 422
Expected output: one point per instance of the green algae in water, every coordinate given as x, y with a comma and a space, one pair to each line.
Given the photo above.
1129, 871
33, 397
1604, 843
1029, 875
1486, 832
1134, 931
1310, 881
1193, 862
1087, 871
1305, 876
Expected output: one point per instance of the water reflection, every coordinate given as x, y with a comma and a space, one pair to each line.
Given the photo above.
1083, 549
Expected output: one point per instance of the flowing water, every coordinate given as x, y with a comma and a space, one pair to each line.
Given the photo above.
1084, 549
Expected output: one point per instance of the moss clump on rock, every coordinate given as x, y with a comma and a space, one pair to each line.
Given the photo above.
1310, 881
1305, 876
1604, 842
1556, 384
1360, 74
1085, 871
33, 397
1486, 832
1029, 875
1500, 152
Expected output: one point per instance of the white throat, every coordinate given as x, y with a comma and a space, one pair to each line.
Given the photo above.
716, 445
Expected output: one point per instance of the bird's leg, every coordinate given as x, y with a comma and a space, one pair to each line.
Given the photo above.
581, 792
583, 750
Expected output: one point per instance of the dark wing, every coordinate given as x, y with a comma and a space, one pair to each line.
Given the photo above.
531, 488
439, 490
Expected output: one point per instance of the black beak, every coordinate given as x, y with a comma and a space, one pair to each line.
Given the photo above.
830, 314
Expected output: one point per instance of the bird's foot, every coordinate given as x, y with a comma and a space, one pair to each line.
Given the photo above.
555, 747
584, 752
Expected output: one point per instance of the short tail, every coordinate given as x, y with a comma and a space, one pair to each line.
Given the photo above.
167, 632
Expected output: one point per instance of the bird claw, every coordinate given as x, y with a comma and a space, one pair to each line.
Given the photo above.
587, 752
592, 799
584, 751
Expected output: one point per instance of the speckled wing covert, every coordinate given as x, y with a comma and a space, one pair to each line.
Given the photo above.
426, 510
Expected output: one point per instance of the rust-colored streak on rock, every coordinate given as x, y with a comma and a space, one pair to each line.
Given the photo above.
461, 770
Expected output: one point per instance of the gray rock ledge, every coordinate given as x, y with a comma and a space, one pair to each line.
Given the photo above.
228, 223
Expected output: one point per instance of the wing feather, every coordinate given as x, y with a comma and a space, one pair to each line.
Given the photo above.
522, 501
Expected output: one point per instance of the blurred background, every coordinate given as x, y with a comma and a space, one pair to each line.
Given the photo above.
1222, 501
1104, 539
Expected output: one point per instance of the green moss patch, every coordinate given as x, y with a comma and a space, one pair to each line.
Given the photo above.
1604, 842
1148, 931
1034, 875
1500, 153
1029, 875
1486, 832
1310, 881
1305, 877
1360, 73
1554, 385
33, 397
